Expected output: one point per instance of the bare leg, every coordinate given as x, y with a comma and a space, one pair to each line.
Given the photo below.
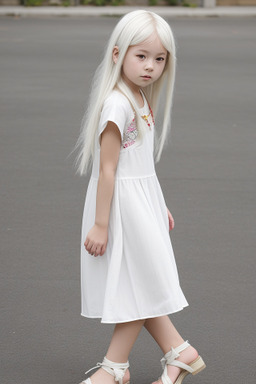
123, 339
164, 333
124, 336
167, 336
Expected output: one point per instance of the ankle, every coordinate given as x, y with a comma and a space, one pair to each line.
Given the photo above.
102, 376
189, 354
116, 359
183, 352
116, 369
174, 344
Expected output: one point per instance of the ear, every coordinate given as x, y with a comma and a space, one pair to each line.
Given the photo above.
115, 54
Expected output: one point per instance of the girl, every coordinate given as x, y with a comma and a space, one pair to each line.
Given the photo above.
128, 271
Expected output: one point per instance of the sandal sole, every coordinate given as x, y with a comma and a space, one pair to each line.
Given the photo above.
198, 365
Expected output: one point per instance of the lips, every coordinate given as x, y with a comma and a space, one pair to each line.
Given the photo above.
146, 77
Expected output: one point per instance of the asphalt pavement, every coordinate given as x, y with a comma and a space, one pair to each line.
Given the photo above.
207, 174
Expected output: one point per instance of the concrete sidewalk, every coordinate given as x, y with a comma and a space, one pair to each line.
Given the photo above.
111, 11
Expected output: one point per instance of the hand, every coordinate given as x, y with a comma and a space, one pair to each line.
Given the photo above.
96, 240
171, 220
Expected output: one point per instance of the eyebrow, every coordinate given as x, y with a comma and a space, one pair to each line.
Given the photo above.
144, 50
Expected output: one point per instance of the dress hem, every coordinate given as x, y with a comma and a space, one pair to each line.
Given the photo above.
138, 318
129, 177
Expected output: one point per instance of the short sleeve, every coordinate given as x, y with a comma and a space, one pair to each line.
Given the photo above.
117, 109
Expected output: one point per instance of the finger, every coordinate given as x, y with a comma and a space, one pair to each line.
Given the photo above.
97, 251
93, 249
103, 249
89, 246
86, 242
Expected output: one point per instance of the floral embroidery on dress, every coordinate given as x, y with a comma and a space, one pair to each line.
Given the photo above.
130, 134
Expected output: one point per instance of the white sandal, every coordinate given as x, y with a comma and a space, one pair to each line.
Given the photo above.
169, 358
115, 369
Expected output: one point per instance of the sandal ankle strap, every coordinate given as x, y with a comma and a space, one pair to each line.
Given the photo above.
115, 369
183, 346
170, 357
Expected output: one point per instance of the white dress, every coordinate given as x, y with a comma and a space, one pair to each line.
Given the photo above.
137, 276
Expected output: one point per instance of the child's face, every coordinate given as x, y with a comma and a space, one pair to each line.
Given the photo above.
144, 63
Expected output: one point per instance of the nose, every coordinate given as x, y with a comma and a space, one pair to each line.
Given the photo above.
149, 66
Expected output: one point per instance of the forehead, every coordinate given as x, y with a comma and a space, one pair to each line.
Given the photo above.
152, 44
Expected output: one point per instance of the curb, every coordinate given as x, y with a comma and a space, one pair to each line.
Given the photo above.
121, 10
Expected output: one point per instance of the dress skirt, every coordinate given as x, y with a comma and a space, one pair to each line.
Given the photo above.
137, 277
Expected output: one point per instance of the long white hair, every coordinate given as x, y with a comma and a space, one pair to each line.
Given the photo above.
134, 28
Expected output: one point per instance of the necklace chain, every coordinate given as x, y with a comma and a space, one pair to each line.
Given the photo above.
145, 117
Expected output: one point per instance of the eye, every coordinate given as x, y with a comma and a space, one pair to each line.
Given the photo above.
141, 57
160, 59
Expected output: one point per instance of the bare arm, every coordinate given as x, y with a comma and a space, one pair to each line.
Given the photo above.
97, 237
